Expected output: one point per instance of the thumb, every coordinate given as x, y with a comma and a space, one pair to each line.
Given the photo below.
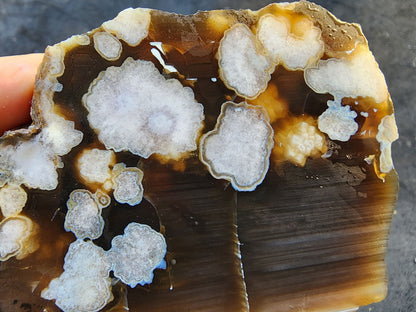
17, 78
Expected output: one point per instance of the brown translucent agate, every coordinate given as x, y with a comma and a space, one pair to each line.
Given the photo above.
249, 150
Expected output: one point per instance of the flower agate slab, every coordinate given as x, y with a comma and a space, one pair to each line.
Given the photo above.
222, 161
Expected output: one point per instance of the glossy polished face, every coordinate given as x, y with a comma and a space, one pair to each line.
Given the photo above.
215, 161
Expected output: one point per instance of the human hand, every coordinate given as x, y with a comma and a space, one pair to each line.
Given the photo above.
17, 79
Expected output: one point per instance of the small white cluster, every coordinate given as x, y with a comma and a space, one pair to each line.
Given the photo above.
243, 67
17, 232
30, 163
16, 237
246, 61
12, 200
108, 46
84, 215
34, 162
136, 254
283, 47
239, 147
84, 286
303, 141
338, 121
130, 25
94, 165
127, 184
357, 75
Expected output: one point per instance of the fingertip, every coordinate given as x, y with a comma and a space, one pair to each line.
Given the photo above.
17, 79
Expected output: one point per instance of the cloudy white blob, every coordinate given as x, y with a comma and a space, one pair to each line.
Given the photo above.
244, 66
130, 25
136, 254
84, 215
107, 45
84, 286
127, 184
134, 108
338, 121
239, 147
12, 200
284, 47
357, 75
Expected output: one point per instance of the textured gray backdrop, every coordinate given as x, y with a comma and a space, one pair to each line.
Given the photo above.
390, 26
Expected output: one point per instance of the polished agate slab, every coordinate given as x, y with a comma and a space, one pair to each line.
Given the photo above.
222, 161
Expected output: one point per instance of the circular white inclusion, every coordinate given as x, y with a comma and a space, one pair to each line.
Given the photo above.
134, 108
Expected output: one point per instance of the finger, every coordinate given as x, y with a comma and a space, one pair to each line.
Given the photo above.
17, 78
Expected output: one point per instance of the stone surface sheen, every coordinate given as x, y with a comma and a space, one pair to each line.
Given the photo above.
253, 146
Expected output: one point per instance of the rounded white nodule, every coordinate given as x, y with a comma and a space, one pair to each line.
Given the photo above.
130, 25
357, 75
93, 165
107, 45
136, 254
300, 140
12, 200
239, 147
284, 47
338, 121
243, 65
15, 237
84, 215
134, 108
85, 285
127, 184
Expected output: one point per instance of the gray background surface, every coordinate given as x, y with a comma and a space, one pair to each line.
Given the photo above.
28, 26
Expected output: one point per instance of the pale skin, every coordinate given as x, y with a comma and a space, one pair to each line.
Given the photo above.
17, 80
